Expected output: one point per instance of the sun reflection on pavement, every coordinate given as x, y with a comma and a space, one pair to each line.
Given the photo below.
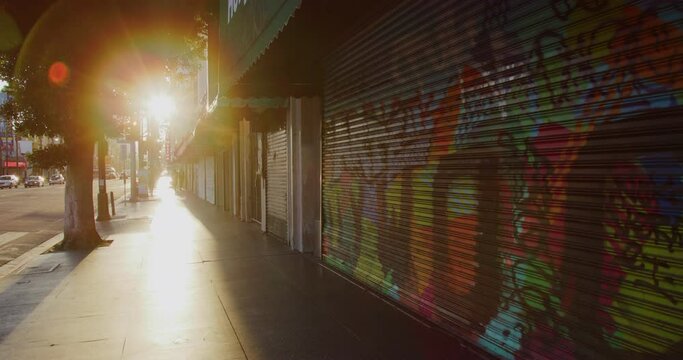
173, 232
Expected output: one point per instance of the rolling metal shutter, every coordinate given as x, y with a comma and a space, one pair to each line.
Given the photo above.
200, 176
209, 165
513, 171
277, 183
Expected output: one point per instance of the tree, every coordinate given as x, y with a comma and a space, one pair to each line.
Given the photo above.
68, 77
53, 156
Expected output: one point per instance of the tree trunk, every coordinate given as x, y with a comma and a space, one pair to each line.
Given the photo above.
79, 215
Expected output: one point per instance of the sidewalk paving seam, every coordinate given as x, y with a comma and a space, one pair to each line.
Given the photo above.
232, 326
123, 348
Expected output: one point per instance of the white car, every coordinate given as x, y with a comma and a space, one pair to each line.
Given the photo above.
37, 181
56, 179
9, 181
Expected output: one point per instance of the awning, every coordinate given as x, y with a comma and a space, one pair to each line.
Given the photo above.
276, 48
215, 126
247, 29
254, 104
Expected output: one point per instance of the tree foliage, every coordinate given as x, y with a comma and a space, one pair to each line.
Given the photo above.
80, 69
51, 157
106, 49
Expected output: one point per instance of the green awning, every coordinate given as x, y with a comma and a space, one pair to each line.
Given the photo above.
248, 27
256, 104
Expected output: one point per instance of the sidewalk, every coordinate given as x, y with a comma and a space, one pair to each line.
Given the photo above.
171, 286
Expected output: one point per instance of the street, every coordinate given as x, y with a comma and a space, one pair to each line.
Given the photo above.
30, 216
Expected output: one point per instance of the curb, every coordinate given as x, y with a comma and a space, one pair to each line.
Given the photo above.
18, 264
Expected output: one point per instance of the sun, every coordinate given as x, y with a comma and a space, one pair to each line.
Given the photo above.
161, 106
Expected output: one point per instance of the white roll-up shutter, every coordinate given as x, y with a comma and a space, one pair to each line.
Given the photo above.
209, 165
277, 177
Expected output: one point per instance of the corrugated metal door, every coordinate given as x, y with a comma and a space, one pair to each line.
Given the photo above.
277, 183
227, 180
209, 165
200, 173
255, 161
512, 171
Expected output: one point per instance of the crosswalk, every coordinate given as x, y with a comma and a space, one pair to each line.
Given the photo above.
15, 243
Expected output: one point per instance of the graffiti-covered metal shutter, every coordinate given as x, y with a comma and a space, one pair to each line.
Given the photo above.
513, 171
277, 183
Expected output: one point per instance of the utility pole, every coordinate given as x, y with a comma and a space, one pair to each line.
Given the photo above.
16, 151
102, 200
143, 188
2, 153
3, 148
133, 173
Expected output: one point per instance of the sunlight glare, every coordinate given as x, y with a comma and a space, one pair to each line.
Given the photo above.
161, 106
173, 235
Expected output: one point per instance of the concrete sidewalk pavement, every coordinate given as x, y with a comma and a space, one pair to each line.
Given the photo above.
181, 281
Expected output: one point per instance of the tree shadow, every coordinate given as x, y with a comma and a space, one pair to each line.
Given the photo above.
22, 293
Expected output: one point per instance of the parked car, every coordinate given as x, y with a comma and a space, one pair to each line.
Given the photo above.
9, 181
34, 181
56, 179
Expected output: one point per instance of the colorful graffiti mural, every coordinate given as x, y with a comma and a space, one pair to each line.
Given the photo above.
531, 199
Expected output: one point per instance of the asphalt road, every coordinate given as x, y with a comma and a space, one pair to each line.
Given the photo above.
29, 216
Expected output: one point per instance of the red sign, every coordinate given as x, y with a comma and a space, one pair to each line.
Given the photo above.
13, 164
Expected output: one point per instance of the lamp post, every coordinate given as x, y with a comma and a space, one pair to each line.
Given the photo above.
3, 146
134, 136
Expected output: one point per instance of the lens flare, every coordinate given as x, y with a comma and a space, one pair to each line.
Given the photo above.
58, 74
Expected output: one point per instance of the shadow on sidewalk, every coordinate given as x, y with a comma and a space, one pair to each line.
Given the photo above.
22, 293
283, 304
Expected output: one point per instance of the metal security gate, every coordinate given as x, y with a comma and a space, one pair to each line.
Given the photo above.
255, 161
277, 171
510, 170
200, 176
209, 166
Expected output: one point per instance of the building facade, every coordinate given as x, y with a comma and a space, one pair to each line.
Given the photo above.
509, 171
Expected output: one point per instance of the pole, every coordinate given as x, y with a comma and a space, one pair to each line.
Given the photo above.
133, 173
142, 163
2, 145
16, 153
111, 201
124, 178
2, 153
102, 205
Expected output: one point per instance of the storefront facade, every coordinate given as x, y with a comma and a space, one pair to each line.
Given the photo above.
508, 171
